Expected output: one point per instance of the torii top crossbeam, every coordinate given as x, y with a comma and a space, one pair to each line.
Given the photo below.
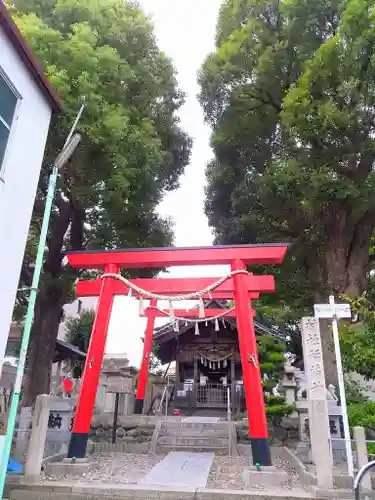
269, 253
178, 286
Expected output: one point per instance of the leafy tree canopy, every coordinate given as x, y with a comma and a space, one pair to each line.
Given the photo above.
289, 95
133, 149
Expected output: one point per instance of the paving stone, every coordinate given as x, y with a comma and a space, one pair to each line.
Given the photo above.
181, 469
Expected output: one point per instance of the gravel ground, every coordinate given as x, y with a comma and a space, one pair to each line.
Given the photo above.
122, 468
115, 468
232, 479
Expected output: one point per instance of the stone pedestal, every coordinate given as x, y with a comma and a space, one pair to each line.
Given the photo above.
317, 402
38, 436
50, 433
267, 476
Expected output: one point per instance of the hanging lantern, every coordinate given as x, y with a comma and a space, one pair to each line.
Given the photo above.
206, 323
196, 329
186, 322
130, 292
176, 326
225, 363
210, 365
68, 385
223, 321
217, 328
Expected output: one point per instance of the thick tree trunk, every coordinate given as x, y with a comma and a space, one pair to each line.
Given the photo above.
347, 259
43, 343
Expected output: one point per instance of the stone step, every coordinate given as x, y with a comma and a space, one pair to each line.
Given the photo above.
192, 441
70, 491
218, 450
194, 432
219, 426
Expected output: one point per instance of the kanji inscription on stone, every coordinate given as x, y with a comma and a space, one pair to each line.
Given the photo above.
313, 358
314, 353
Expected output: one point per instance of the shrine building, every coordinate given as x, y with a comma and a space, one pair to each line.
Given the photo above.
208, 364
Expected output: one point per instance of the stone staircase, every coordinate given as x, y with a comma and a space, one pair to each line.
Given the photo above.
219, 438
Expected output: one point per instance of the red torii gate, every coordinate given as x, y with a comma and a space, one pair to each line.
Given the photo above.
111, 261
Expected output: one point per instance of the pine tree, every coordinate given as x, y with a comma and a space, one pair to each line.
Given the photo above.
272, 360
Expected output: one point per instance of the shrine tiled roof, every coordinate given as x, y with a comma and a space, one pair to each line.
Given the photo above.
65, 351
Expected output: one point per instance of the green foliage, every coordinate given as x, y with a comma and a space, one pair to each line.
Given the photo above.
353, 391
272, 360
133, 150
78, 334
362, 415
357, 340
289, 94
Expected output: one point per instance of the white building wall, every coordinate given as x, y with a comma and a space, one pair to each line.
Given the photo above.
125, 327
73, 310
20, 176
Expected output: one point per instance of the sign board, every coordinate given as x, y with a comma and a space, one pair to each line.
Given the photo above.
121, 386
331, 310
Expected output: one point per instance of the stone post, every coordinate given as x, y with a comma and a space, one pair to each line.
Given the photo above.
362, 457
318, 407
38, 437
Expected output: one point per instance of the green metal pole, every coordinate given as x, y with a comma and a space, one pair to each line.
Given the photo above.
27, 329
29, 318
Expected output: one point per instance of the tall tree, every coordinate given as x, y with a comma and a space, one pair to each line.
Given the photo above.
133, 149
290, 96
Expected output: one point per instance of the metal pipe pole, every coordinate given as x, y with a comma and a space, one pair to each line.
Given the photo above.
115, 418
166, 402
340, 375
30, 314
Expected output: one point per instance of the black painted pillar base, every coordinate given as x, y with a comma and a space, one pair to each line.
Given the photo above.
138, 407
78, 444
260, 448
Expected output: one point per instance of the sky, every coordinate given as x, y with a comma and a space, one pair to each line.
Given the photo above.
185, 31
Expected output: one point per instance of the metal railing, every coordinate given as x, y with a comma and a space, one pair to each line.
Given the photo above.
210, 394
164, 396
361, 474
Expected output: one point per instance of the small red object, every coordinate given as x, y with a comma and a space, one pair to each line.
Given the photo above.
68, 385
176, 412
